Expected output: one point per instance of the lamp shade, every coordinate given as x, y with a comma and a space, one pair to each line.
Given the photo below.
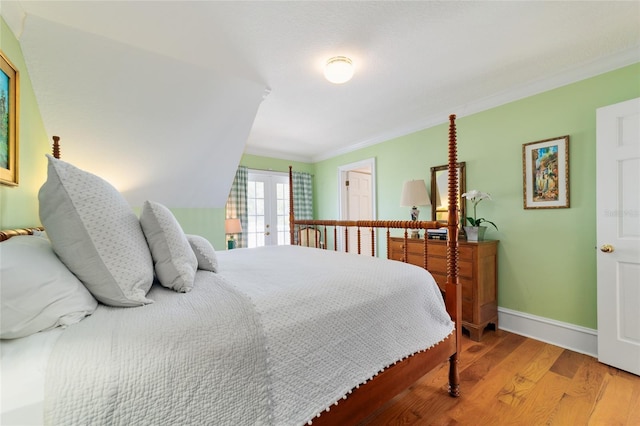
414, 193
232, 226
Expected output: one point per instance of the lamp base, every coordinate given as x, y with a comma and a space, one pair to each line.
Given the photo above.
231, 244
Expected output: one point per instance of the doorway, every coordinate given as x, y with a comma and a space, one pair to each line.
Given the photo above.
267, 208
357, 183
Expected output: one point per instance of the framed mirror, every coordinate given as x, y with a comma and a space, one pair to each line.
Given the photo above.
439, 201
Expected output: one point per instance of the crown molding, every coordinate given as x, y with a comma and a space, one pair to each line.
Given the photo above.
574, 74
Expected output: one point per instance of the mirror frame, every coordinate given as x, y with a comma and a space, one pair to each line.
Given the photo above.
440, 214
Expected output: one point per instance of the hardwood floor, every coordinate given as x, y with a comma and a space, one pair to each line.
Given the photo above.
508, 379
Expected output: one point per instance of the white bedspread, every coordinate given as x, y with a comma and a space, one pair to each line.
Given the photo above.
277, 336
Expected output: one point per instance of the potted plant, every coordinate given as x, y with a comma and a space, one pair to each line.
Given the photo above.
475, 232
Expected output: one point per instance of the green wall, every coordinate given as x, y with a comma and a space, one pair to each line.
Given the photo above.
547, 258
19, 205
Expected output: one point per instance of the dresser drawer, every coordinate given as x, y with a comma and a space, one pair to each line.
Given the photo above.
465, 284
439, 265
416, 259
413, 246
440, 249
441, 280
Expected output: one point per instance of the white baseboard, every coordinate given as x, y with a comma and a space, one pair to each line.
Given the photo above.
569, 336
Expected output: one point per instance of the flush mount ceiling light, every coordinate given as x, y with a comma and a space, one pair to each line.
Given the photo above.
339, 69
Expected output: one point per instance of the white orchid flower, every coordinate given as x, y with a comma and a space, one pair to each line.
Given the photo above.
475, 197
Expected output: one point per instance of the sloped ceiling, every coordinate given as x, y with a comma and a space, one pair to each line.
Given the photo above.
172, 78
155, 127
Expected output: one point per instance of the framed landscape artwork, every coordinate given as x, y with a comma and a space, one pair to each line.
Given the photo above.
545, 172
8, 122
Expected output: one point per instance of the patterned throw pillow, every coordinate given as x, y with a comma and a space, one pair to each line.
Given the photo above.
174, 260
205, 253
96, 234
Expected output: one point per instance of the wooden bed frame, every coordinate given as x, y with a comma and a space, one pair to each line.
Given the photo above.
367, 398
8, 233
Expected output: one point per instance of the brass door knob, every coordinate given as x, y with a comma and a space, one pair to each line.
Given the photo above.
607, 248
267, 233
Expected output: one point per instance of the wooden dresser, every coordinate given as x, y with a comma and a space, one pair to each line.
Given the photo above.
478, 266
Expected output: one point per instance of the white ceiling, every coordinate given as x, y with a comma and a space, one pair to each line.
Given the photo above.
416, 62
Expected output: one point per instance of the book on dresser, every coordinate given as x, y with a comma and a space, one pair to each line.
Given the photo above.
437, 234
478, 276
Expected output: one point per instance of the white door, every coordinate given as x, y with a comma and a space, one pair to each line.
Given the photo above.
267, 209
618, 234
357, 201
359, 208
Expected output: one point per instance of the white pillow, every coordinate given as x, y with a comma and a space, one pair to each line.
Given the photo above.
96, 234
38, 291
205, 253
174, 261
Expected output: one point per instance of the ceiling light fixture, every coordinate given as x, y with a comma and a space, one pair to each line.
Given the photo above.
339, 69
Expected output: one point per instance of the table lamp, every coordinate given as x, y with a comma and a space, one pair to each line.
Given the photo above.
414, 193
231, 228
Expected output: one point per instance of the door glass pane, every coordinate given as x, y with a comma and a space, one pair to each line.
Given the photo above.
282, 213
268, 209
255, 212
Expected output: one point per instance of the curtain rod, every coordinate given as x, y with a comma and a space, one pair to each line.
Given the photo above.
271, 171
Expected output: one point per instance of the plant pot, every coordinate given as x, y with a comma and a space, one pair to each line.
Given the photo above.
475, 233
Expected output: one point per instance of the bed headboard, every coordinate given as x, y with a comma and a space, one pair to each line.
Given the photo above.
5, 234
8, 233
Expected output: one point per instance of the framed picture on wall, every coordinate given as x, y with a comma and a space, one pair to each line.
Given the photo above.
8, 122
545, 172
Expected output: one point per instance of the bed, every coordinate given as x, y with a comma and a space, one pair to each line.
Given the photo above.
216, 337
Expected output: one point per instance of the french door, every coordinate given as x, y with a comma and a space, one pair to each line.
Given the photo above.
267, 209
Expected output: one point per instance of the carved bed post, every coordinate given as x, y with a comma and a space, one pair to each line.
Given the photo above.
291, 216
346, 239
388, 243
56, 147
373, 241
453, 293
425, 251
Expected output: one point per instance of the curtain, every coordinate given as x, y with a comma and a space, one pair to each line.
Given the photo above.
302, 195
302, 198
237, 203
